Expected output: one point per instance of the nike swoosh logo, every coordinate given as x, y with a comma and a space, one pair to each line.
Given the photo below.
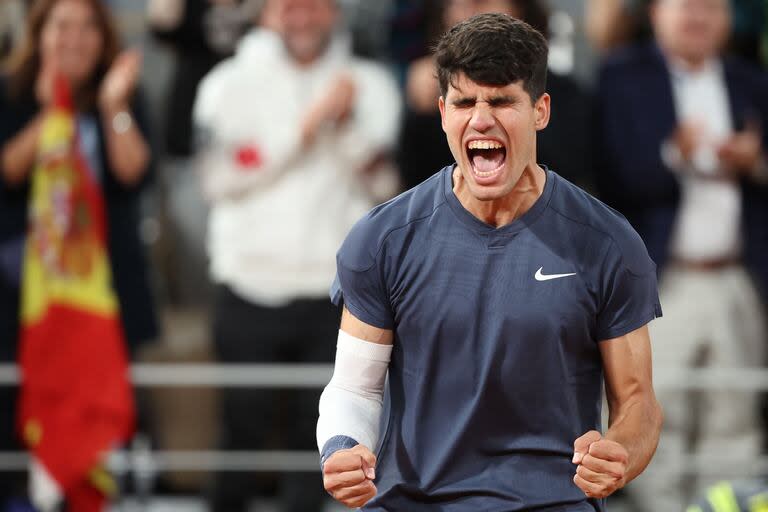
542, 277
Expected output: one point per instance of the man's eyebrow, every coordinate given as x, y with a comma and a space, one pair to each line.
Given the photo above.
502, 99
463, 100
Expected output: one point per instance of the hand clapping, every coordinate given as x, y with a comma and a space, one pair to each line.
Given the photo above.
120, 81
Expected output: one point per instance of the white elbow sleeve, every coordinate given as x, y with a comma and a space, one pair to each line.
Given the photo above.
351, 402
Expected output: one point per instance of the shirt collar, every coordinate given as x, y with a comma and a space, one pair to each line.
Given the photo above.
679, 70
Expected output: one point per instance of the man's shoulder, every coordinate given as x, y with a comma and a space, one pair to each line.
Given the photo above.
604, 226
744, 72
387, 221
217, 79
631, 60
257, 59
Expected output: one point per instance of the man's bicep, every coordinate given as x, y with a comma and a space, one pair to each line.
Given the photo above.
627, 365
353, 326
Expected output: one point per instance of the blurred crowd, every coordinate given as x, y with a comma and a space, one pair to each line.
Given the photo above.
281, 122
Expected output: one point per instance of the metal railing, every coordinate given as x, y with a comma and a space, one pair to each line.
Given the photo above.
141, 460
284, 376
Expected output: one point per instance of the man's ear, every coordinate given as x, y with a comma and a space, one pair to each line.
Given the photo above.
441, 106
542, 111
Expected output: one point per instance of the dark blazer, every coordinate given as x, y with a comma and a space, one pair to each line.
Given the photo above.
636, 113
129, 267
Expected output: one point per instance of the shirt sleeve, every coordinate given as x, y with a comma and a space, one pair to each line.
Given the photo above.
630, 297
240, 149
360, 288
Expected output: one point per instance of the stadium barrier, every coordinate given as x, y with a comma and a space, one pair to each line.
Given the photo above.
139, 459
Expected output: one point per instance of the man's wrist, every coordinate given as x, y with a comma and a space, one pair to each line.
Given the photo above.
117, 118
109, 110
335, 444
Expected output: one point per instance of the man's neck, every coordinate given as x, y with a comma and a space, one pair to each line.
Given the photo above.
502, 211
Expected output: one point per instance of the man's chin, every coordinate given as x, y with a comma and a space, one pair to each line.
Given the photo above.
305, 49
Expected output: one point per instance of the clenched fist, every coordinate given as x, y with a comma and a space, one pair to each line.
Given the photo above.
348, 476
602, 465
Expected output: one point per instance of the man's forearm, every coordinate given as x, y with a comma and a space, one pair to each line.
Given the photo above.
637, 427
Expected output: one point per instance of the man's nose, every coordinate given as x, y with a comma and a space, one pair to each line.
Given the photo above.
482, 118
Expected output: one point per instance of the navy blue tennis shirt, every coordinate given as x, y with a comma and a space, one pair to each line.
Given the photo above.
495, 369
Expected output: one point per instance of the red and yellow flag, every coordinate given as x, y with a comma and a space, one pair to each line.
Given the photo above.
76, 402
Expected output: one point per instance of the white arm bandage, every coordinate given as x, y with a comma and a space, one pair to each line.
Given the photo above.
351, 402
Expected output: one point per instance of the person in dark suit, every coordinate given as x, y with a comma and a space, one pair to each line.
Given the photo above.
682, 154
74, 39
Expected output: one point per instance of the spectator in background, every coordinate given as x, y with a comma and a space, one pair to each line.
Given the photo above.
200, 34
683, 157
563, 146
291, 127
74, 38
614, 23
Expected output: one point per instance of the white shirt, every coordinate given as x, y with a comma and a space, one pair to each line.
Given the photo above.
709, 218
280, 213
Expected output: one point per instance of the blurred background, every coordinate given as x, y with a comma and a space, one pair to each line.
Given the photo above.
236, 142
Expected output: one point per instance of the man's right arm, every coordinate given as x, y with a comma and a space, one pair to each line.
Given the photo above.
359, 329
350, 411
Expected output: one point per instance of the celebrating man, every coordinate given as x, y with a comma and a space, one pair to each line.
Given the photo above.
498, 296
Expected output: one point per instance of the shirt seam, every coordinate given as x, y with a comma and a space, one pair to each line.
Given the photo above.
389, 233
612, 241
375, 261
627, 327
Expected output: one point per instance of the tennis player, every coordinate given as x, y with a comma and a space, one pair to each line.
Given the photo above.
498, 297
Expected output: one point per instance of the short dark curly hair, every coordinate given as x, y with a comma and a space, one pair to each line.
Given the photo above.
493, 49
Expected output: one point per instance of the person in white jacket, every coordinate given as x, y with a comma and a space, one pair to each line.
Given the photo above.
292, 134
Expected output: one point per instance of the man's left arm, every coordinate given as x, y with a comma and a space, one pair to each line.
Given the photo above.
607, 463
372, 128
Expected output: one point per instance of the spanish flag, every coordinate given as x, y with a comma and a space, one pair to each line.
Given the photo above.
76, 401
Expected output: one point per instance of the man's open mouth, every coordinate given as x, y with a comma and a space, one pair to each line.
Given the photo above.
487, 156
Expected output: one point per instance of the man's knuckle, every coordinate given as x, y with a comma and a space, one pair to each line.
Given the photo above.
590, 461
